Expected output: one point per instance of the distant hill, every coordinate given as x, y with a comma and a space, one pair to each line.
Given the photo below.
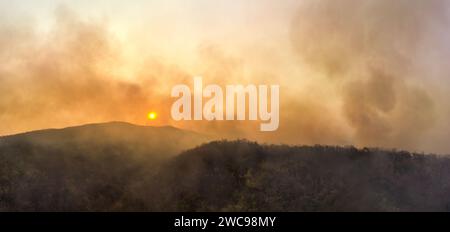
122, 167
83, 167
135, 140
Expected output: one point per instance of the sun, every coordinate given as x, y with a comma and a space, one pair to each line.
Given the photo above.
152, 115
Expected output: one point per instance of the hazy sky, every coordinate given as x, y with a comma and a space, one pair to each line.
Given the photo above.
362, 72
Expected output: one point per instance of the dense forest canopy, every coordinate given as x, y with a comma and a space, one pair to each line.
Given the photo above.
82, 169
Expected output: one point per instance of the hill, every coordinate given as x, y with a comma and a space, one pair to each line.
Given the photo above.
122, 167
84, 167
246, 176
133, 139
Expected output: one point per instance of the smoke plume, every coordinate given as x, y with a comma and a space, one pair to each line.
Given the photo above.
373, 52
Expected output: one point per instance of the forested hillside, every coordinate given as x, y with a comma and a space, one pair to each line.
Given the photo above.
120, 167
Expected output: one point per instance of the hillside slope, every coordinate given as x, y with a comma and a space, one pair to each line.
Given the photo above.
85, 167
121, 167
246, 176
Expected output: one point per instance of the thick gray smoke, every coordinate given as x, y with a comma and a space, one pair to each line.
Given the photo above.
374, 51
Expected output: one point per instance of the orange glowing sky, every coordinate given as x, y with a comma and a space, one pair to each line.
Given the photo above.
346, 76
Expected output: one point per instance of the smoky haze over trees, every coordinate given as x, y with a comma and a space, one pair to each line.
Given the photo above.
351, 72
84, 168
121, 167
